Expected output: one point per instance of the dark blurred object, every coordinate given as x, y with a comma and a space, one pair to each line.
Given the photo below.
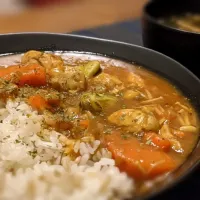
45, 2
181, 45
127, 31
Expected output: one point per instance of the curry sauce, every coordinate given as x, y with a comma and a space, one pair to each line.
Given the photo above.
144, 121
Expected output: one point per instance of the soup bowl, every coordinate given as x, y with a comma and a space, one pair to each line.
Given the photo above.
181, 45
156, 62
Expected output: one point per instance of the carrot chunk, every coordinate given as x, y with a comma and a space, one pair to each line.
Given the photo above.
140, 162
84, 123
155, 140
33, 75
38, 103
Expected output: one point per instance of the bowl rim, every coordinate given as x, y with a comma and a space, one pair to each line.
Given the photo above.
69, 35
156, 53
152, 19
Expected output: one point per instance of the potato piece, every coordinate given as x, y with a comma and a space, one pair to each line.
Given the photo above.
91, 68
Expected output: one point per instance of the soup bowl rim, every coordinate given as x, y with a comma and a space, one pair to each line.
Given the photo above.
194, 165
154, 20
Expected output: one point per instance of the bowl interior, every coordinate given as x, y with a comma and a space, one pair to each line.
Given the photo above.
150, 59
177, 43
164, 8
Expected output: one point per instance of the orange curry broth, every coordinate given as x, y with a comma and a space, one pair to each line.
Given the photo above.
160, 87
132, 153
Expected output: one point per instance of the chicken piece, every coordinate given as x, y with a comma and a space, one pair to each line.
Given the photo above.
134, 120
75, 79
135, 81
133, 94
60, 77
96, 102
31, 57
47, 60
166, 134
106, 82
50, 61
69, 78
72, 79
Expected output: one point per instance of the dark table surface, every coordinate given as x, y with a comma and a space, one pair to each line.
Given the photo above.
130, 32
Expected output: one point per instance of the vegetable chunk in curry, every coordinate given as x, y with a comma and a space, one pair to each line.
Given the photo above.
147, 125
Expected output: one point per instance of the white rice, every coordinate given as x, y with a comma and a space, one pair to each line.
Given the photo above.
34, 169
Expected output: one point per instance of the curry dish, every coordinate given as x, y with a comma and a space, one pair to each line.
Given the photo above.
144, 121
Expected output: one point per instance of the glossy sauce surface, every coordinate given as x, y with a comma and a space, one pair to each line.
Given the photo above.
147, 124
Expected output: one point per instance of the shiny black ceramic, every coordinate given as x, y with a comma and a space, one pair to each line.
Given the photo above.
181, 45
187, 82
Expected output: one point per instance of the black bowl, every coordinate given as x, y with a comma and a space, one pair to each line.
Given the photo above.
181, 45
187, 82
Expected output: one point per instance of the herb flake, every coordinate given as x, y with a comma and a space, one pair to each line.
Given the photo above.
148, 142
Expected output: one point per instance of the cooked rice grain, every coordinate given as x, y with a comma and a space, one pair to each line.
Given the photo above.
32, 167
